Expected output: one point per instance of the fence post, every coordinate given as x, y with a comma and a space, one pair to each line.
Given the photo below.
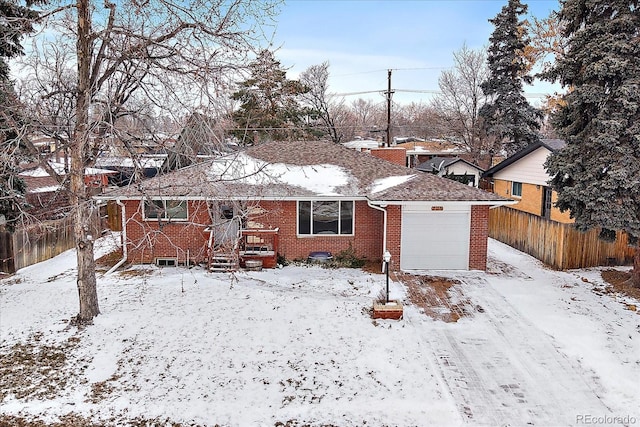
7, 263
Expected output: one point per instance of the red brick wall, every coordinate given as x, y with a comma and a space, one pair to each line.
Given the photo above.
367, 241
478, 238
149, 240
397, 155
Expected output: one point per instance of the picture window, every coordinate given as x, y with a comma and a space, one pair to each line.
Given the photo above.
325, 217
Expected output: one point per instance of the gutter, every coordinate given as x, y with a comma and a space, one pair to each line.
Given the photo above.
384, 226
124, 239
501, 202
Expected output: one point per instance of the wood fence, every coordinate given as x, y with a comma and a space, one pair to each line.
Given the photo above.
39, 242
558, 245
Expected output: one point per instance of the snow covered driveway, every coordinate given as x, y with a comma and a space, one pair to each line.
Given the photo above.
540, 348
502, 370
298, 345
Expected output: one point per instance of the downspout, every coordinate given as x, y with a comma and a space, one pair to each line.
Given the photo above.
124, 238
384, 226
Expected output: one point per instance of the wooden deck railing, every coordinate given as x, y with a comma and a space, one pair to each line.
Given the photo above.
259, 244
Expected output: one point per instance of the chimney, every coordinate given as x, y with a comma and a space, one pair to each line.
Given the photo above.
397, 155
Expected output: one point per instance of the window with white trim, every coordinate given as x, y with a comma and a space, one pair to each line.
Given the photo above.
516, 189
170, 210
320, 217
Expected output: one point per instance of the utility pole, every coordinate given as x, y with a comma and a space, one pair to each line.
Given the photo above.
389, 93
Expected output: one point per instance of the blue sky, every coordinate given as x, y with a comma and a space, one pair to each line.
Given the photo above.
361, 39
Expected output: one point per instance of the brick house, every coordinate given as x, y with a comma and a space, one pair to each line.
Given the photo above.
522, 177
49, 199
294, 198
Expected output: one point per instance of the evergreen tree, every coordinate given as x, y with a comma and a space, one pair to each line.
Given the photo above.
270, 104
509, 117
15, 22
597, 175
12, 152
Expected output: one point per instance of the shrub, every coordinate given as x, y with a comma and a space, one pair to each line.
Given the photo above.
347, 259
282, 260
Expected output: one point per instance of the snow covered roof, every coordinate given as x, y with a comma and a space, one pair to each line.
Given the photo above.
59, 168
359, 144
302, 170
432, 148
127, 162
41, 184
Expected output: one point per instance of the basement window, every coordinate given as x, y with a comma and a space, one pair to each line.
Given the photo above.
166, 262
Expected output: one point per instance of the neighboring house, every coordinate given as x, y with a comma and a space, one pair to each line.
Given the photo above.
127, 170
403, 139
420, 151
48, 199
201, 138
363, 144
453, 168
522, 177
294, 198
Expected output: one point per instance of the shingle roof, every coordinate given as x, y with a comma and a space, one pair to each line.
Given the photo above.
432, 147
438, 163
39, 184
303, 169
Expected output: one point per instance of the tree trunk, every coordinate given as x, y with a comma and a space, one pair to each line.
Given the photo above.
635, 273
83, 211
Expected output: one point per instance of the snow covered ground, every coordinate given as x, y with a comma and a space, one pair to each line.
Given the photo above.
298, 345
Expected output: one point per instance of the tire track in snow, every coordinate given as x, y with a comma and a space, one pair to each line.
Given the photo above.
502, 370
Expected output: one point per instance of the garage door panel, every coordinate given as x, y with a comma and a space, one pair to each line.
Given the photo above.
434, 240
441, 248
441, 262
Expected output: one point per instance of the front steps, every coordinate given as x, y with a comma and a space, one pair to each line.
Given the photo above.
224, 262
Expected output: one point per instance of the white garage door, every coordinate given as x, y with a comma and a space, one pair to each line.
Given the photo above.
434, 239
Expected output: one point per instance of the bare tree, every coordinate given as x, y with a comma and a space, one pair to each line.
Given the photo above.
370, 117
47, 87
547, 43
419, 120
461, 98
326, 106
164, 55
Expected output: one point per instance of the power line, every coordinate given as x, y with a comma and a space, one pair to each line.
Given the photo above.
431, 91
358, 93
393, 69
418, 91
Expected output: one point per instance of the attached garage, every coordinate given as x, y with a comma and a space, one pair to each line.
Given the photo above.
435, 237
